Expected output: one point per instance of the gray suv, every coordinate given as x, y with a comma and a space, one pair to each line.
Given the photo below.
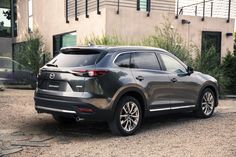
121, 85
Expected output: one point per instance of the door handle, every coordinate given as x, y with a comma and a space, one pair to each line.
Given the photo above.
140, 78
174, 80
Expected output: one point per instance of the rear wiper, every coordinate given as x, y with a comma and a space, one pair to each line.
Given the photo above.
51, 65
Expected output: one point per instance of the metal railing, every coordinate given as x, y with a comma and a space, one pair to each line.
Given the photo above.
74, 8
207, 8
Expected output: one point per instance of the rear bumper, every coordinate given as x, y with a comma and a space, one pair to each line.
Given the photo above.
71, 109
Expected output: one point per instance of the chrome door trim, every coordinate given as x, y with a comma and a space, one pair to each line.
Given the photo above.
181, 107
172, 108
159, 109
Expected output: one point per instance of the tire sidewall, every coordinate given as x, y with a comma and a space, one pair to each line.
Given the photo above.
199, 106
121, 104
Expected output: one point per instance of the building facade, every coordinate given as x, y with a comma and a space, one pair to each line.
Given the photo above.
69, 22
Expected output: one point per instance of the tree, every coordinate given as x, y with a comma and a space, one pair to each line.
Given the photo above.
32, 52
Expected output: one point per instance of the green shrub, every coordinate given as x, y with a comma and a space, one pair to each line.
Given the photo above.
208, 63
167, 38
104, 40
31, 53
229, 72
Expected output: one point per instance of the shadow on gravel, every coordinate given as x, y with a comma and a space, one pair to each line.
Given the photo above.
19, 87
93, 130
173, 119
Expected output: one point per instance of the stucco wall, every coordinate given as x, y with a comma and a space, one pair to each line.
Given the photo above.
130, 24
49, 19
134, 26
210, 24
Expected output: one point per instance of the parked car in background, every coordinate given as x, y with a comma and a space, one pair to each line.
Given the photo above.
121, 85
13, 73
1, 85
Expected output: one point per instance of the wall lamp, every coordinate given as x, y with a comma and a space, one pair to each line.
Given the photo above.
185, 21
229, 34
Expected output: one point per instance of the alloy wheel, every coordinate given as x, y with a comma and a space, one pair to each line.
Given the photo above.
129, 116
208, 103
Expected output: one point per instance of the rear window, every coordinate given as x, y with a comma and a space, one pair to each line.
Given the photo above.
76, 59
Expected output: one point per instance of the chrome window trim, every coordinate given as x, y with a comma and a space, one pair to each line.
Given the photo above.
150, 51
118, 56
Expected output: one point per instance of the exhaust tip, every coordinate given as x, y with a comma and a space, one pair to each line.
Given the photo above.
78, 119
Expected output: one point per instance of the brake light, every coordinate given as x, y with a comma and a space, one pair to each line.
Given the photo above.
89, 73
85, 110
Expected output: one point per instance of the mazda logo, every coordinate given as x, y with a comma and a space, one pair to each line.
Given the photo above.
52, 76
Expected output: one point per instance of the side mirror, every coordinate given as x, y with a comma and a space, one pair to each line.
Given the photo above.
189, 70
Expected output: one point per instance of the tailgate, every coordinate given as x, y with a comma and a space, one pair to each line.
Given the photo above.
60, 81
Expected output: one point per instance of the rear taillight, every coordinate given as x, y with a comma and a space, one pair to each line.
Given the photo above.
85, 110
89, 73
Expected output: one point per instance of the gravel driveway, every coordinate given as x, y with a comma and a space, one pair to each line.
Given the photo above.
25, 133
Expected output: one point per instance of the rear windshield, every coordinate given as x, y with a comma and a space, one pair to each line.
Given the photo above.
76, 59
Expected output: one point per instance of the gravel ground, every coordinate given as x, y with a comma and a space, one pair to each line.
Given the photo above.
173, 135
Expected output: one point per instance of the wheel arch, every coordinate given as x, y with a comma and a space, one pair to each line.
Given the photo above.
213, 87
134, 92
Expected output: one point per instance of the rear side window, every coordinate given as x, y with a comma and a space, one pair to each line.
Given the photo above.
148, 60
75, 59
123, 60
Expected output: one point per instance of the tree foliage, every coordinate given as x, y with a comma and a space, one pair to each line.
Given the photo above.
166, 37
229, 72
104, 40
31, 53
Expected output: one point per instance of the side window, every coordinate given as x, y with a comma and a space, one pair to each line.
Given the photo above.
123, 60
148, 60
172, 64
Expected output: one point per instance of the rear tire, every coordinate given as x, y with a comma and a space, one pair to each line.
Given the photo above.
127, 118
63, 120
206, 104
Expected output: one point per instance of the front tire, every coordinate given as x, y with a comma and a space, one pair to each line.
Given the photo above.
206, 104
127, 118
